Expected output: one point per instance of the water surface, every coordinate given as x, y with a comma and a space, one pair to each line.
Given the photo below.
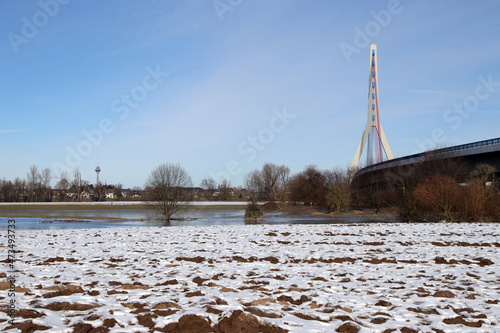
85, 219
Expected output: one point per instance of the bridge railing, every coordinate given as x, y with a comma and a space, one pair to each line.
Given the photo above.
484, 143
472, 145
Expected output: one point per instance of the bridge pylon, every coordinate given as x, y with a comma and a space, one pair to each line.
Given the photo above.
373, 132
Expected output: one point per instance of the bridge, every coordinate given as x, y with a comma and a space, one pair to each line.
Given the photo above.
382, 169
471, 154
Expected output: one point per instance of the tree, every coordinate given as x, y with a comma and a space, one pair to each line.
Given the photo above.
20, 188
270, 183
9, 193
78, 184
439, 194
34, 178
45, 178
209, 185
99, 192
224, 191
338, 181
309, 187
166, 190
119, 191
479, 193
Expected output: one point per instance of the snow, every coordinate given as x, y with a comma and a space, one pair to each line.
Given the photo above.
312, 278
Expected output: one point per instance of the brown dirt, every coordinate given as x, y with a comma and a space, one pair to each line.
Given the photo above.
87, 328
63, 291
28, 327
146, 320
444, 293
197, 260
240, 321
56, 259
462, 321
308, 317
348, 327
383, 303
28, 313
189, 324
65, 306
134, 286
6, 285
261, 313
168, 283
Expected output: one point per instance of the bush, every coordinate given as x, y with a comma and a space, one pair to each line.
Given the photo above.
253, 210
440, 195
479, 199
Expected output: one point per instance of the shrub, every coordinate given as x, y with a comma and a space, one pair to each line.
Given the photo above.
440, 195
253, 209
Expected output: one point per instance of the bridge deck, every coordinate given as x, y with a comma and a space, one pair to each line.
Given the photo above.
469, 149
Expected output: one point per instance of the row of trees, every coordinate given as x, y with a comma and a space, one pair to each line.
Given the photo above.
311, 187
37, 187
168, 187
439, 188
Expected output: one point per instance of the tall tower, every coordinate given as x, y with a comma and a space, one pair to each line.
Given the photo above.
97, 170
373, 131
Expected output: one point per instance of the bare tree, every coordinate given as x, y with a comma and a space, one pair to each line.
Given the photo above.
8, 191
99, 192
63, 182
20, 188
78, 184
270, 183
33, 181
338, 181
224, 191
478, 197
166, 190
209, 185
118, 191
45, 178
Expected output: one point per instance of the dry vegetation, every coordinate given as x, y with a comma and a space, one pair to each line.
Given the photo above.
439, 189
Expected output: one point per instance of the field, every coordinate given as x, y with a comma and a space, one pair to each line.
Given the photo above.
381, 277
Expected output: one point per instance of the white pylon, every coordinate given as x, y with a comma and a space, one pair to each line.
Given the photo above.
373, 121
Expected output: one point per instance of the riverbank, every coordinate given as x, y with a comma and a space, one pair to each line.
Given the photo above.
376, 277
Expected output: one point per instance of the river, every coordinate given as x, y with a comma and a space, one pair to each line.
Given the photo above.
85, 219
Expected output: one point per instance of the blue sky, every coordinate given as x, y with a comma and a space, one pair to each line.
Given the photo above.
224, 86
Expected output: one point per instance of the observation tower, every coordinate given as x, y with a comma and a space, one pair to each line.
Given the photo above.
97, 170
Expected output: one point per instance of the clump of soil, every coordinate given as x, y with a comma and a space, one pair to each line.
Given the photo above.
28, 326
240, 321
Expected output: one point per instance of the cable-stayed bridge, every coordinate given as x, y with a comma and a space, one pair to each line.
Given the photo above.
380, 162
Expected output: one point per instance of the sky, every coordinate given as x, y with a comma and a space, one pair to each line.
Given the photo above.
224, 86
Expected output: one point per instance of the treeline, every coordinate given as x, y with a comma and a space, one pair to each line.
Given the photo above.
36, 187
168, 188
438, 188
312, 187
